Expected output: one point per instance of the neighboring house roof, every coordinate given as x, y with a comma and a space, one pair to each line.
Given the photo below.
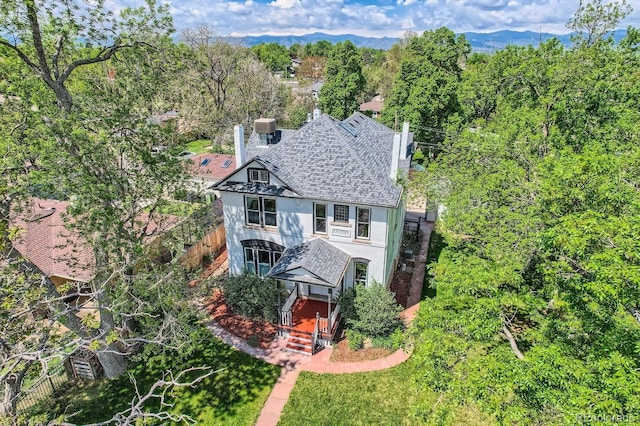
342, 161
212, 166
375, 106
309, 262
57, 251
50, 246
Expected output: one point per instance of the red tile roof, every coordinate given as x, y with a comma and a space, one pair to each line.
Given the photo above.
57, 251
213, 168
375, 106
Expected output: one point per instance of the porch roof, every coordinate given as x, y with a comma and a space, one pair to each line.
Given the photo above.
315, 262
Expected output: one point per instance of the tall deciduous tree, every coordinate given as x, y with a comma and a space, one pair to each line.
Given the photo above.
425, 89
274, 56
344, 82
82, 133
536, 313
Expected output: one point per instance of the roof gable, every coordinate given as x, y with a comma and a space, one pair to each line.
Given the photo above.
308, 262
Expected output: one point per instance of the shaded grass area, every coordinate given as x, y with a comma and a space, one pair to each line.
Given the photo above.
233, 396
375, 398
386, 397
436, 244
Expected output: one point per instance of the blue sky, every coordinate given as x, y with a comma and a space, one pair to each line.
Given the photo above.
373, 18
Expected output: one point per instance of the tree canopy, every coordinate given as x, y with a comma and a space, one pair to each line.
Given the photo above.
344, 83
535, 318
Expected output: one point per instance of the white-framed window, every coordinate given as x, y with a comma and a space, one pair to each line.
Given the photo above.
249, 260
360, 272
261, 211
319, 218
260, 260
341, 213
363, 222
258, 175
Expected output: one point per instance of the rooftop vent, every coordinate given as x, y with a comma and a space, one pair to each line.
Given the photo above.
264, 125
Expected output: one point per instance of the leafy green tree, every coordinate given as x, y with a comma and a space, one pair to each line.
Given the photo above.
273, 55
536, 318
344, 82
320, 48
80, 122
594, 19
424, 92
223, 85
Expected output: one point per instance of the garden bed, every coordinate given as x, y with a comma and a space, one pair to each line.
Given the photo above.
401, 283
342, 353
255, 332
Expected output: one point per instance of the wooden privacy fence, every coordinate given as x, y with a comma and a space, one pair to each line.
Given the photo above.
209, 245
43, 387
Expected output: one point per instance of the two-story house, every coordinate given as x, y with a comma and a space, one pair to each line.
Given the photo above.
320, 209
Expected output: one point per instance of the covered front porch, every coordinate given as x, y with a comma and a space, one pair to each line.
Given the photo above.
313, 273
310, 315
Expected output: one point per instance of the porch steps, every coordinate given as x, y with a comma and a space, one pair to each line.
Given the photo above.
299, 342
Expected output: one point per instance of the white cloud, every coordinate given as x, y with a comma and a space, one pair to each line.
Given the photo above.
369, 18
285, 4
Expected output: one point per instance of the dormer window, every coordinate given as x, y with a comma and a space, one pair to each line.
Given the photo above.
258, 175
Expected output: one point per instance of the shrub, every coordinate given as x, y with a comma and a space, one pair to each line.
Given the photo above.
347, 309
376, 312
356, 340
254, 297
392, 342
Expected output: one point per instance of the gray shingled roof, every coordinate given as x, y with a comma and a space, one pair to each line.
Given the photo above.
255, 188
324, 262
330, 160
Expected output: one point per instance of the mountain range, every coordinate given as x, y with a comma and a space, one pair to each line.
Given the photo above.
480, 42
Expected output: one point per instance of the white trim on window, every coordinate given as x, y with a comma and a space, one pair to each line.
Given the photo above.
258, 175
260, 211
360, 272
259, 261
319, 218
363, 223
341, 213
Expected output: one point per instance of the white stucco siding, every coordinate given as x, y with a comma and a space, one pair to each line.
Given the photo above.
243, 176
295, 225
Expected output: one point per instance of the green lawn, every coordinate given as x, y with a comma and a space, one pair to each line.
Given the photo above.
198, 146
375, 398
387, 397
233, 396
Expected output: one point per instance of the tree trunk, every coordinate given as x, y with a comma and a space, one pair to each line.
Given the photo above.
8, 407
113, 362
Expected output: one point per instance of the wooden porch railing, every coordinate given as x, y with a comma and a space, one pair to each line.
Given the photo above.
286, 317
334, 317
314, 336
327, 325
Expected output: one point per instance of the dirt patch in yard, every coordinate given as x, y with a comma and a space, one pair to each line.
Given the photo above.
401, 286
342, 353
260, 333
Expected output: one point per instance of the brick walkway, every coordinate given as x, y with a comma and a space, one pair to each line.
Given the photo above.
293, 363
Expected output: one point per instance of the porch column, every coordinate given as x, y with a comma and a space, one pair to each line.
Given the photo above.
329, 314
